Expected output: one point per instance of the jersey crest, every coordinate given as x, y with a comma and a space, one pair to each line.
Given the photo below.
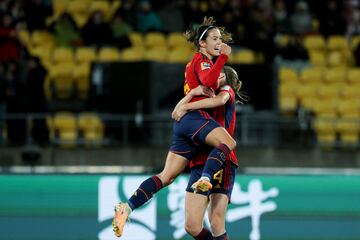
205, 65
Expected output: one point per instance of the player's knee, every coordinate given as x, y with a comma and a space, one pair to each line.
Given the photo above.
192, 228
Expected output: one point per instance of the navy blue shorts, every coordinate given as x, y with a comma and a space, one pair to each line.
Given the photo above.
222, 182
190, 132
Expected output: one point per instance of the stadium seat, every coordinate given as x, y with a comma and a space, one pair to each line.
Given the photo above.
78, 7
353, 76
44, 53
305, 92
350, 92
60, 78
108, 54
155, 40
333, 75
337, 42
349, 139
348, 108
327, 139
348, 129
288, 88
80, 20
132, 54
328, 91
317, 58
156, 54
288, 105
324, 108
59, 7
102, 6
177, 40
62, 55
137, 40
313, 75
79, 10
288, 75
81, 78
245, 57
91, 128
115, 5
179, 55
336, 59
41, 38
65, 126
339, 86
85, 55
314, 42
308, 103
325, 131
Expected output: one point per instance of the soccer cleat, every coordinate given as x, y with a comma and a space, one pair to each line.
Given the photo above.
203, 185
120, 218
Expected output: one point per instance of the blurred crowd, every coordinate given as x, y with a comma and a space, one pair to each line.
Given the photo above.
255, 24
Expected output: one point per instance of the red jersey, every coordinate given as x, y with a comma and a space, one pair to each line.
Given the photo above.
226, 116
201, 71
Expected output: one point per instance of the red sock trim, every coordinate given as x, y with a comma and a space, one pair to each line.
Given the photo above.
224, 148
158, 182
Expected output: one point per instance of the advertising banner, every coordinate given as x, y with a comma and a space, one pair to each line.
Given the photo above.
55, 207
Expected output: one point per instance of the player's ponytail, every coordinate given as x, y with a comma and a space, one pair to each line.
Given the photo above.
233, 80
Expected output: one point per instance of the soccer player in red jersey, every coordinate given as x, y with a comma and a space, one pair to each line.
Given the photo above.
195, 128
198, 126
223, 180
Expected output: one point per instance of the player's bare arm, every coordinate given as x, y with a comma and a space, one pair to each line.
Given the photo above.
198, 91
217, 101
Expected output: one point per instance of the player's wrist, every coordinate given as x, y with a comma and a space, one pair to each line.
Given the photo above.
224, 56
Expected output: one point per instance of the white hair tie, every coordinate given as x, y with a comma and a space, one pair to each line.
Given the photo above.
203, 33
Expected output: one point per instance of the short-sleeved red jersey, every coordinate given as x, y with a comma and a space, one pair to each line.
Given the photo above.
226, 116
202, 71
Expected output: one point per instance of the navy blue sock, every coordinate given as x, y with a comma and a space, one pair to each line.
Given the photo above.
215, 159
204, 235
145, 192
222, 237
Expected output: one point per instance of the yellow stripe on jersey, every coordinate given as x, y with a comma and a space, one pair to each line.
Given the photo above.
186, 88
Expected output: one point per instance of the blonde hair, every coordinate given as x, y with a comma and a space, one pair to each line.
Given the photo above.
233, 80
201, 32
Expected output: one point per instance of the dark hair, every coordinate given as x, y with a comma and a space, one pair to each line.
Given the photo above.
233, 80
201, 32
